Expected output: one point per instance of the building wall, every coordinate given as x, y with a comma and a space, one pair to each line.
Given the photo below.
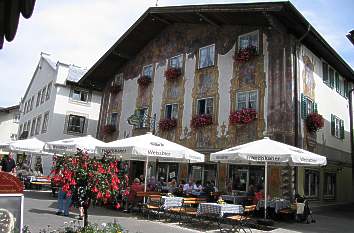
8, 125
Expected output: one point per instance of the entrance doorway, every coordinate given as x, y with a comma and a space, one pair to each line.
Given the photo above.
136, 169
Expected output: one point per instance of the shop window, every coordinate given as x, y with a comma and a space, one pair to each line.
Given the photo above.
241, 177
247, 99
329, 185
337, 127
206, 56
76, 124
203, 173
171, 111
248, 40
312, 183
205, 106
168, 171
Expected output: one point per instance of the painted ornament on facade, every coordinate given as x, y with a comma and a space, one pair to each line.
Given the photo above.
308, 78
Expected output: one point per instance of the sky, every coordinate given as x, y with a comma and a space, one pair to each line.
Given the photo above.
79, 32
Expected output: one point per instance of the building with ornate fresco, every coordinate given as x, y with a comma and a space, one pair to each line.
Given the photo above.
214, 76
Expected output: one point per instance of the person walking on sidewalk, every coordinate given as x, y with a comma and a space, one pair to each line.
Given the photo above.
64, 202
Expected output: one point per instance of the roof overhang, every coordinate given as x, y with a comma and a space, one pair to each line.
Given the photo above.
156, 19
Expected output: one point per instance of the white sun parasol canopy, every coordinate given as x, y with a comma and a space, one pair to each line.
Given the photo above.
31, 145
148, 145
87, 143
268, 152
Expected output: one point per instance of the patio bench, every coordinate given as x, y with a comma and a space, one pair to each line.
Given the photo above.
153, 205
140, 198
189, 208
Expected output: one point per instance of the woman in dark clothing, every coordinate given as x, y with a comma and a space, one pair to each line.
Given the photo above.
80, 197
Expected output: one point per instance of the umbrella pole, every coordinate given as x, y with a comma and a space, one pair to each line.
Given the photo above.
146, 174
265, 189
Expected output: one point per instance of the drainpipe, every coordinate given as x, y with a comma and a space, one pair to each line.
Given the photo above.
350, 99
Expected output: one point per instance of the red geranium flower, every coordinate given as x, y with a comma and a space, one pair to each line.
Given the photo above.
243, 116
201, 121
172, 73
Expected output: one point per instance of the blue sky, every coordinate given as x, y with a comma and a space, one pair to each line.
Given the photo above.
79, 32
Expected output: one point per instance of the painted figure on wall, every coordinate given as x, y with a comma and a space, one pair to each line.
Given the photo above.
248, 74
308, 78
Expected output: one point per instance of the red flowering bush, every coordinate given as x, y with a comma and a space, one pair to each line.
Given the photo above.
172, 73
144, 80
89, 179
246, 54
243, 116
167, 124
108, 129
115, 88
314, 122
201, 121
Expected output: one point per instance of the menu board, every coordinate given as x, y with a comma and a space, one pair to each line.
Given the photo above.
11, 215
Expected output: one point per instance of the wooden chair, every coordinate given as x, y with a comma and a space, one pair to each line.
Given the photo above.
154, 205
288, 213
140, 196
242, 221
188, 209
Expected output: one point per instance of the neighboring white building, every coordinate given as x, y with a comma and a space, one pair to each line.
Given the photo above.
54, 107
9, 118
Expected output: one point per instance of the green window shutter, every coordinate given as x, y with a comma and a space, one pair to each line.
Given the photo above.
337, 84
315, 107
333, 124
331, 77
341, 129
303, 106
346, 89
325, 72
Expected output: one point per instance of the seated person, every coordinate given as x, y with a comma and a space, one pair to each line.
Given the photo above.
258, 196
172, 186
161, 185
151, 185
134, 188
188, 188
197, 188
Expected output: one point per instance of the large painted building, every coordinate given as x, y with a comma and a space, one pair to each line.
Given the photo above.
263, 57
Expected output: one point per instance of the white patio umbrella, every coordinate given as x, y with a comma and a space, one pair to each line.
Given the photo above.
31, 145
87, 143
148, 147
268, 152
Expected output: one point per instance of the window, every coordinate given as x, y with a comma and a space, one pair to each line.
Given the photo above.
28, 125
247, 99
25, 126
331, 77
312, 183
205, 106
118, 79
31, 103
49, 89
43, 95
248, 40
45, 122
38, 125
16, 117
76, 124
329, 185
79, 95
307, 106
325, 72
20, 129
38, 98
33, 126
338, 83
13, 136
171, 111
346, 88
176, 62
337, 127
112, 120
25, 109
143, 117
147, 71
206, 56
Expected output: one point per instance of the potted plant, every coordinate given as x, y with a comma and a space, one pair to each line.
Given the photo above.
108, 129
202, 120
144, 80
314, 122
246, 54
167, 124
243, 116
172, 73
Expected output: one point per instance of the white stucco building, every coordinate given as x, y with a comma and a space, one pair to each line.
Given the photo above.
54, 107
9, 118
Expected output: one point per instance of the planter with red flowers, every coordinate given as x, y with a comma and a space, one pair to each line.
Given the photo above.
167, 124
314, 122
115, 88
108, 129
172, 73
200, 121
144, 80
246, 54
243, 116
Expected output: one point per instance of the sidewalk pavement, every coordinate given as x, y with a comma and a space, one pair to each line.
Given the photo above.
40, 208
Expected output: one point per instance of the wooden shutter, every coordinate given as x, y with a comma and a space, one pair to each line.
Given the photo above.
341, 122
303, 106
333, 124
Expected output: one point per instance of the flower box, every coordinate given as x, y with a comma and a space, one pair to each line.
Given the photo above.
108, 129
243, 116
201, 121
144, 80
167, 124
172, 73
246, 54
314, 122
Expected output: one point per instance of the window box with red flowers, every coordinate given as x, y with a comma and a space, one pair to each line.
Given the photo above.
167, 124
314, 122
246, 54
200, 121
108, 129
172, 73
243, 116
144, 80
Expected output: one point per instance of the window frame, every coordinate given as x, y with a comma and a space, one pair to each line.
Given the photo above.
143, 123
38, 101
38, 125
45, 122
33, 126
49, 90
76, 89
43, 94
247, 99
315, 173
325, 73
68, 125
247, 34
200, 57
180, 63
327, 195
172, 108
152, 71
337, 127
205, 106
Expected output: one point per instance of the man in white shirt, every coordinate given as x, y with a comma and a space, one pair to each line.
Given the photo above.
188, 188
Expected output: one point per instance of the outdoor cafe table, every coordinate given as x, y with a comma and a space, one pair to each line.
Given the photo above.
170, 202
234, 199
276, 204
219, 209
